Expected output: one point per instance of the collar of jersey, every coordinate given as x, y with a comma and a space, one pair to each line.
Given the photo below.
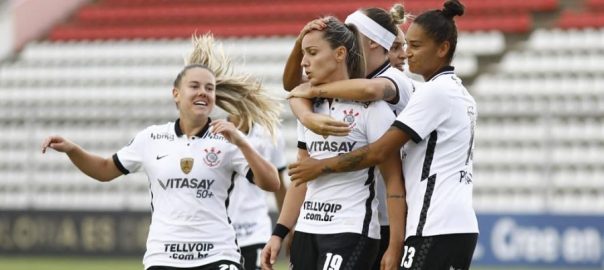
442, 71
379, 70
179, 132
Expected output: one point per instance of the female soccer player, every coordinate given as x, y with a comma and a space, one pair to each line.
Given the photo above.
247, 207
379, 30
397, 54
190, 164
336, 221
440, 119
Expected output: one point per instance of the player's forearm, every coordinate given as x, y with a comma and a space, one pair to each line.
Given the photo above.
355, 89
370, 155
396, 217
395, 198
280, 194
397, 209
97, 167
291, 205
266, 176
292, 73
364, 157
301, 108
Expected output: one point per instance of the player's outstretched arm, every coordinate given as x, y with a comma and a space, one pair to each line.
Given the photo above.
353, 89
97, 167
364, 157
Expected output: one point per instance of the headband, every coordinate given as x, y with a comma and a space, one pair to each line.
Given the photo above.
371, 29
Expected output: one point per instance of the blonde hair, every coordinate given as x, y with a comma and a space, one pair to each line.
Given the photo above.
237, 94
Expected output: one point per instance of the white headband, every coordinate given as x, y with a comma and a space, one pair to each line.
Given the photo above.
371, 29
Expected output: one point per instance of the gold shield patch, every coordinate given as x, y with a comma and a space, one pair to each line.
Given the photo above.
186, 165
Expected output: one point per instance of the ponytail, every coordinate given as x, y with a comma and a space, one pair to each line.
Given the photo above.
237, 94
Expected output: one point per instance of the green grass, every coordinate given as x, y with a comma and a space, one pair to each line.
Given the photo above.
83, 263
78, 263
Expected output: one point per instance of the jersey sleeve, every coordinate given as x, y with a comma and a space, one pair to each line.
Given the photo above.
427, 110
301, 137
379, 119
240, 164
404, 88
130, 158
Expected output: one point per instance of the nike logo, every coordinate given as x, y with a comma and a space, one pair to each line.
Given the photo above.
160, 157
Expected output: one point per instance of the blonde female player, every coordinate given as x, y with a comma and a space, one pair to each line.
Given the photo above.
247, 209
190, 164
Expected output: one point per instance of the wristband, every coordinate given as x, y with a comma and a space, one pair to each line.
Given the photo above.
280, 230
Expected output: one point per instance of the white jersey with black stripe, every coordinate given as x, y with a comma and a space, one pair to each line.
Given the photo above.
440, 119
405, 87
189, 179
247, 208
343, 202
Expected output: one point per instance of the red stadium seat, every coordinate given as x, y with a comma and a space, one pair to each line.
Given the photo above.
572, 19
107, 19
595, 4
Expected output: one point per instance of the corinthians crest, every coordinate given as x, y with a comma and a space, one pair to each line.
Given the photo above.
350, 117
186, 165
212, 158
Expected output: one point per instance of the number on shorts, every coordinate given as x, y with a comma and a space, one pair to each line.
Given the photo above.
228, 267
407, 260
332, 262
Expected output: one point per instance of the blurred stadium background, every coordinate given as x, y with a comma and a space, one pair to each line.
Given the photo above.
99, 71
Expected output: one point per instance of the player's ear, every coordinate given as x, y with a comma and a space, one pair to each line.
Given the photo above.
443, 49
341, 54
175, 95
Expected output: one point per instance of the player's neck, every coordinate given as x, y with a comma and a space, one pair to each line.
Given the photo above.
192, 128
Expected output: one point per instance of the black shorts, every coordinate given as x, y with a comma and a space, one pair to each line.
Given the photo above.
340, 251
384, 241
219, 265
447, 251
251, 256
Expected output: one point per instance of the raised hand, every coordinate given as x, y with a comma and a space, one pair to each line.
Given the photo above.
228, 130
57, 143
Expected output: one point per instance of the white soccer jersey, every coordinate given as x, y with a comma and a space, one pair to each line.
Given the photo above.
343, 202
247, 208
440, 119
189, 181
404, 88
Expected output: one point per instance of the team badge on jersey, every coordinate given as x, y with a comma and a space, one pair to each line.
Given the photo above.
186, 165
350, 117
212, 158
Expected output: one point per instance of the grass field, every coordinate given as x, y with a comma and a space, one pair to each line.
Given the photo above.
79, 263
